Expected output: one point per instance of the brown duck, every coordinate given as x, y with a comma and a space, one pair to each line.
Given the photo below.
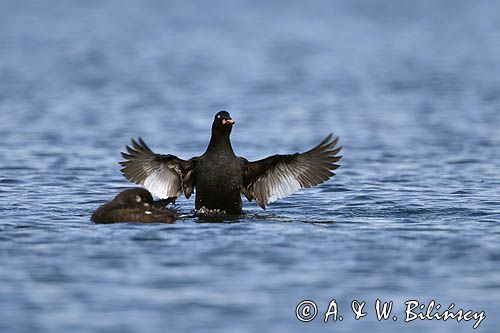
134, 205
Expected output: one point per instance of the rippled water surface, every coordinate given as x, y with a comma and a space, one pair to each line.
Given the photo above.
412, 89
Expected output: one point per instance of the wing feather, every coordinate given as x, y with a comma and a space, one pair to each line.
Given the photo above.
163, 175
278, 176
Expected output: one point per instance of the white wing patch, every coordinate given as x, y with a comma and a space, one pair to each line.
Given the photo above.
275, 185
163, 182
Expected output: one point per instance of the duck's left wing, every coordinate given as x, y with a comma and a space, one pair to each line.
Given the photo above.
166, 176
277, 176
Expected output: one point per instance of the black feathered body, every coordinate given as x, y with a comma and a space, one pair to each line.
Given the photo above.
218, 178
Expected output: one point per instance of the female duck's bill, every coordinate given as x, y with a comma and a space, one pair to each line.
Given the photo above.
134, 205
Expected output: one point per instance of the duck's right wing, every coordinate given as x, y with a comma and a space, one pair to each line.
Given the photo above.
166, 176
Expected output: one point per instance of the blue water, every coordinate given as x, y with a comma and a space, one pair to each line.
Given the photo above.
411, 87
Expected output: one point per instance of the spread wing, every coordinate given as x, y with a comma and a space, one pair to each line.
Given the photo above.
166, 176
277, 176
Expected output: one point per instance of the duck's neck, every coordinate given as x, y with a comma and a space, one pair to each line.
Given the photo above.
220, 144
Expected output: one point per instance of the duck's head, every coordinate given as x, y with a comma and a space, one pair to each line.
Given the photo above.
223, 123
134, 197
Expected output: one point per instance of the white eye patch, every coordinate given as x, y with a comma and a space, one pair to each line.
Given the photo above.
218, 117
138, 198
148, 212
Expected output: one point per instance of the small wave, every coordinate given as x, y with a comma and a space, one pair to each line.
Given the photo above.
460, 192
464, 161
